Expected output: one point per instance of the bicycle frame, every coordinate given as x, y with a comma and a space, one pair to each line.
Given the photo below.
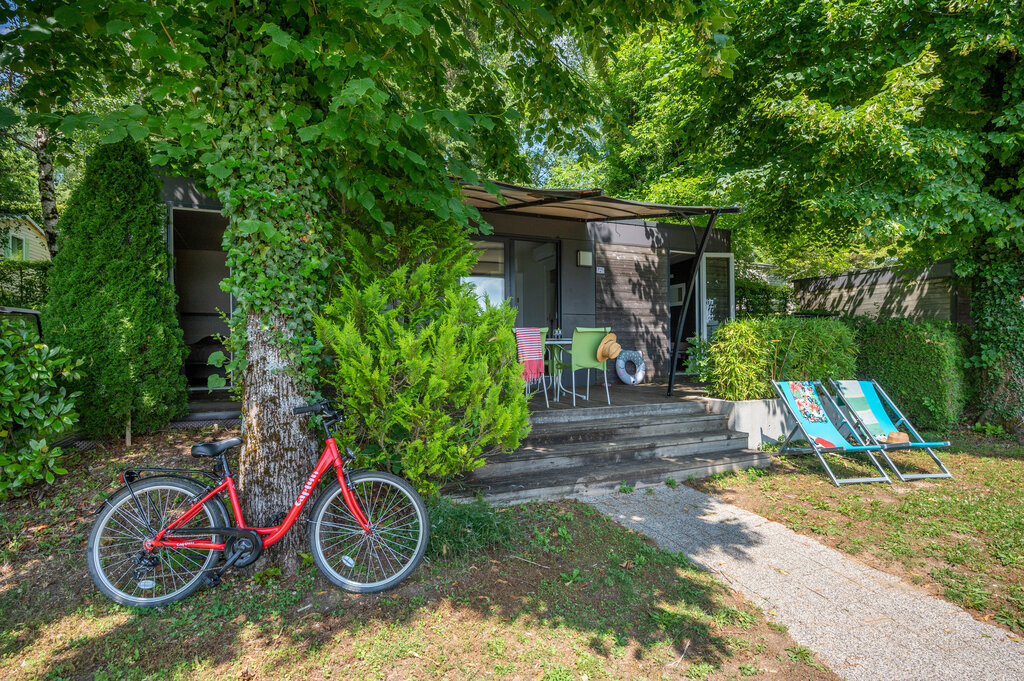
330, 457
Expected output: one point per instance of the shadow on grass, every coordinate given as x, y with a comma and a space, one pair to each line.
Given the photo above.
573, 586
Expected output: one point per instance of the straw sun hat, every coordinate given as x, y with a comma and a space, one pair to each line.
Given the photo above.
608, 349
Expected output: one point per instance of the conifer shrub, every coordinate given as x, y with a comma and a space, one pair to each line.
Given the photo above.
430, 378
111, 302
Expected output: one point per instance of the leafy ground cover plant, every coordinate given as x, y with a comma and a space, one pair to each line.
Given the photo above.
35, 407
962, 539
919, 364
744, 356
626, 610
430, 377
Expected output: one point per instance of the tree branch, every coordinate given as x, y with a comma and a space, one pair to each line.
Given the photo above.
17, 141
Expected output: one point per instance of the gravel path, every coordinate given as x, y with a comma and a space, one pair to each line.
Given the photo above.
865, 624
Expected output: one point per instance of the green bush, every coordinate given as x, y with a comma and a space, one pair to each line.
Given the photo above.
432, 379
745, 356
34, 410
919, 364
755, 298
111, 301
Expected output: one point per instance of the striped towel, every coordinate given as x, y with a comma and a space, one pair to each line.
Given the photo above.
531, 353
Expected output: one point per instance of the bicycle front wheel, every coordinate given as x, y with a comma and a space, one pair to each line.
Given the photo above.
366, 562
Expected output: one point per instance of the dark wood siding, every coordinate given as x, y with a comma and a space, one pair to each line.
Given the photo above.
885, 293
632, 298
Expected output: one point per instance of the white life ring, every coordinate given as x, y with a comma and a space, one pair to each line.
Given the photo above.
637, 359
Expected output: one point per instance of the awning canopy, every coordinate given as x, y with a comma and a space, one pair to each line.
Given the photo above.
578, 205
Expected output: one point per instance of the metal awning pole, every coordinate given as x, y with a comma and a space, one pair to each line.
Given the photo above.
690, 292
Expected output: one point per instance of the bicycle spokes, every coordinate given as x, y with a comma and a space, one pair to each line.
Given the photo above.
386, 549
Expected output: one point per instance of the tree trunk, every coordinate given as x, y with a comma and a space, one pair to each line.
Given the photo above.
279, 450
47, 188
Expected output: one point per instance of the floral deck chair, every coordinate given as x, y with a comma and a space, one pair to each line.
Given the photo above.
807, 409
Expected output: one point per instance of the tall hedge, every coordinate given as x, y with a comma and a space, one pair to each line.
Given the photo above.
745, 356
919, 364
111, 301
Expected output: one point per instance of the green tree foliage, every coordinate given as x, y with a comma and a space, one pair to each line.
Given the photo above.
35, 409
111, 302
745, 356
430, 379
919, 364
848, 128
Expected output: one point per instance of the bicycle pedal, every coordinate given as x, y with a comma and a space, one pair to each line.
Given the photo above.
212, 580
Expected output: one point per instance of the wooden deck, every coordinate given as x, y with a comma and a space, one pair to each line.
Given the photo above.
622, 395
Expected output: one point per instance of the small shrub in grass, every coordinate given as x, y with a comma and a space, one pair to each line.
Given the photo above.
34, 409
919, 364
459, 530
745, 356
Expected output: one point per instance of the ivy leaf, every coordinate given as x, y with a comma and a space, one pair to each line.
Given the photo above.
215, 381
220, 170
216, 359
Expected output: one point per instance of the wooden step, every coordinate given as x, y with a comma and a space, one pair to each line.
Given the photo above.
593, 480
622, 427
529, 460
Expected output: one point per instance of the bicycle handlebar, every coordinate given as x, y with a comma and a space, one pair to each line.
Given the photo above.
320, 407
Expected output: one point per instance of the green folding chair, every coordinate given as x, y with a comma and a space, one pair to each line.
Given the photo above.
807, 409
583, 355
866, 403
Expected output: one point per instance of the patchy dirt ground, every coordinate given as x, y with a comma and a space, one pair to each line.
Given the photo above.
571, 595
961, 539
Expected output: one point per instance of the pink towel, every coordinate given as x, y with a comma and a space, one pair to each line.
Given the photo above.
531, 352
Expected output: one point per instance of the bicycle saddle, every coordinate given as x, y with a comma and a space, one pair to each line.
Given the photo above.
215, 448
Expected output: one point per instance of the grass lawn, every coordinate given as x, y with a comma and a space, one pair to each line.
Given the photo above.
962, 539
546, 592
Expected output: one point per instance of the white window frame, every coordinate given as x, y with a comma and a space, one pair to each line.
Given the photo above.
10, 246
702, 290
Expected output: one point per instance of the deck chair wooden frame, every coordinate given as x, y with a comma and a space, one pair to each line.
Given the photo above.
817, 430
877, 403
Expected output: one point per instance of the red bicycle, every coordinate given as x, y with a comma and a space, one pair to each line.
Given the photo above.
160, 537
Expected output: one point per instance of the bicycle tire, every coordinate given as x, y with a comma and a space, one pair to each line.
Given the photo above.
379, 561
110, 560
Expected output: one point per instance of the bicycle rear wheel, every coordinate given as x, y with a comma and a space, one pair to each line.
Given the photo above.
119, 564
368, 562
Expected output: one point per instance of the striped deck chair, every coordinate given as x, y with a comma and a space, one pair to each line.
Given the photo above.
806, 407
865, 401
530, 349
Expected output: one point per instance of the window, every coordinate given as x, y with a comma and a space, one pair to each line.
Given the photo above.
488, 275
17, 248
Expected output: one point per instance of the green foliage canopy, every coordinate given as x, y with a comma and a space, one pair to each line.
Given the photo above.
894, 122
111, 302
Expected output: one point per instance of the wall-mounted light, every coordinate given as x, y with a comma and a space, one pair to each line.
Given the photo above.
584, 258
